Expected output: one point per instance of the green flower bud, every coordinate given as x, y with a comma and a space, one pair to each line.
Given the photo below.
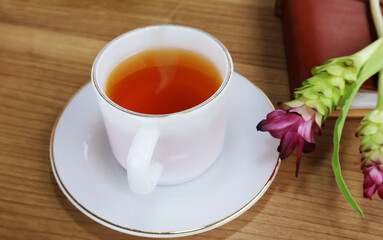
370, 132
331, 83
344, 67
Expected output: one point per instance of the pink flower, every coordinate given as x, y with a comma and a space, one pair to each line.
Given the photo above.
373, 179
293, 129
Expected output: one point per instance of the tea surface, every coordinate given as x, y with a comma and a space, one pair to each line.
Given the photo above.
162, 81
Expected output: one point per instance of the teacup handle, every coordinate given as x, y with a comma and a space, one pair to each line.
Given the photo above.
143, 173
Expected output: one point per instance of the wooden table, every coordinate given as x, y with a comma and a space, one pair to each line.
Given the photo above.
46, 53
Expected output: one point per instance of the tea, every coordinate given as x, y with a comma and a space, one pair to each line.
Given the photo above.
162, 81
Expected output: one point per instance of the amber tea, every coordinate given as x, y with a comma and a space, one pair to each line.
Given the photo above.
163, 81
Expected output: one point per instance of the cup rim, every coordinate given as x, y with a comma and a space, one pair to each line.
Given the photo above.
225, 81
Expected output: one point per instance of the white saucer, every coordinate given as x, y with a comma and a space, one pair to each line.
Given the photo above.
94, 182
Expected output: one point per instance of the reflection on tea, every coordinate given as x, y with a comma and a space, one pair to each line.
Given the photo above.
162, 81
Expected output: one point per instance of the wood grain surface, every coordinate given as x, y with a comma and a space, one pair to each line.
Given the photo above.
46, 52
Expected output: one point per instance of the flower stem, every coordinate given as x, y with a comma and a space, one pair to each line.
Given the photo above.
377, 17
364, 54
378, 21
379, 104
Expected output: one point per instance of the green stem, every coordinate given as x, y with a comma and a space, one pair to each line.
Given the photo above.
378, 21
377, 17
366, 52
379, 104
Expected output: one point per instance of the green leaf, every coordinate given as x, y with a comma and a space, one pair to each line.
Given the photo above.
372, 66
335, 157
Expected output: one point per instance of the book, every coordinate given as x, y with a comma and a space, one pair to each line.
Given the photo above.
315, 31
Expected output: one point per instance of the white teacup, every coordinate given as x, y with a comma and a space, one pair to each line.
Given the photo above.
167, 148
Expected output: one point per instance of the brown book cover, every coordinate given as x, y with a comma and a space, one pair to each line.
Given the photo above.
318, 30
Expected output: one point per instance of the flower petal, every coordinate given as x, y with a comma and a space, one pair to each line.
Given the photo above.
288, 143
368, 192
368, 181
278, 121
376, 175
308, 147
380, 191
305, 129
